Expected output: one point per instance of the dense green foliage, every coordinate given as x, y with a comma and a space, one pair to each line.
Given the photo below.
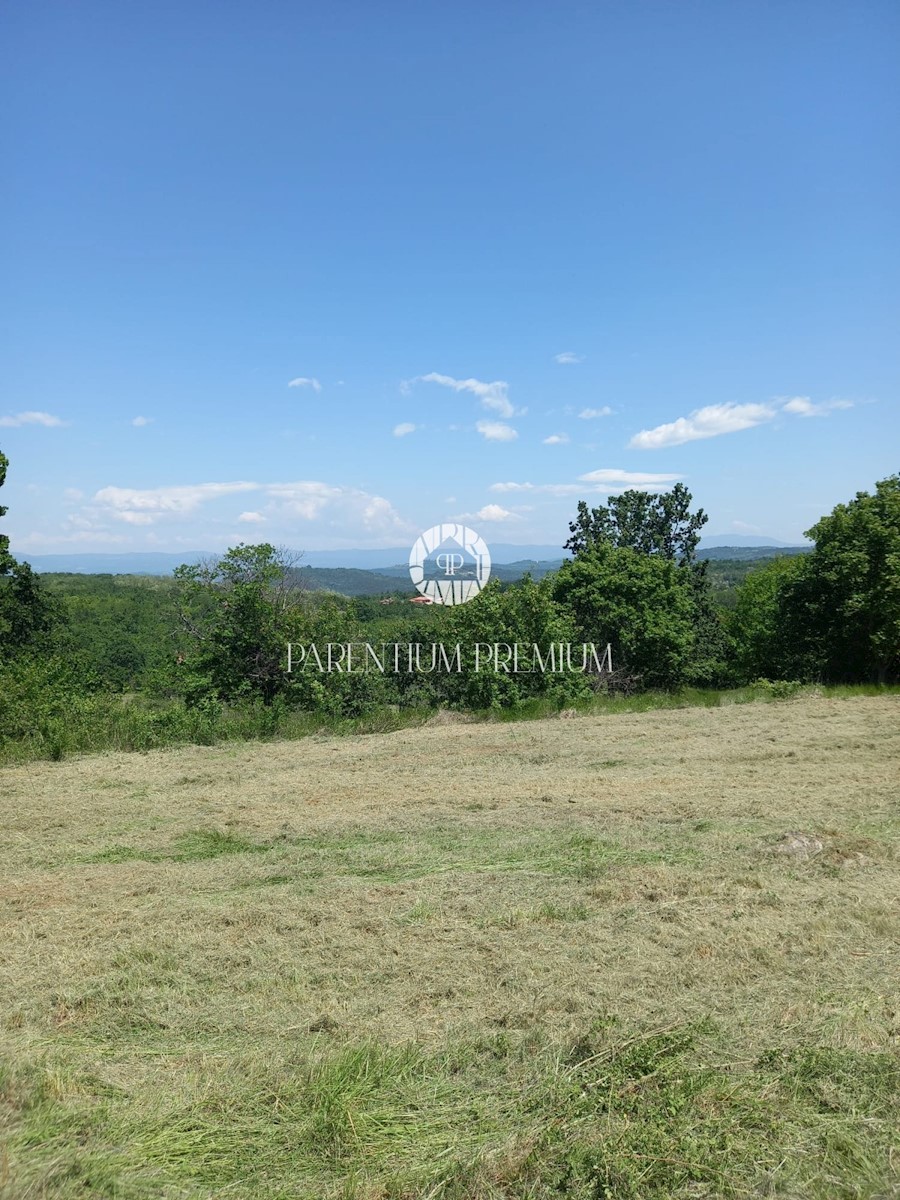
833, 614
27, 614
650, 523
645, 598
637, 575
87, 661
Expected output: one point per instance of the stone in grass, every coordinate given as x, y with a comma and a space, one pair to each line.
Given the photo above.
799, 845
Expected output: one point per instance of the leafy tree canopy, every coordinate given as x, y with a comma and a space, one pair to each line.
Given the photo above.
27, 613
649, 523
237, 611
850, 588
642, 603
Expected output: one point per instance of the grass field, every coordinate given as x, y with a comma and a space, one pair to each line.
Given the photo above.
634, 956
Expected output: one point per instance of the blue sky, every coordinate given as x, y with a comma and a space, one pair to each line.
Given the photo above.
327, 274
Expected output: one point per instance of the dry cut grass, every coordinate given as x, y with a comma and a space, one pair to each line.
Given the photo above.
649, 955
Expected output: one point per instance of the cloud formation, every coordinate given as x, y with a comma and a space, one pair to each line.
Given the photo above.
489, 513
493, 396
556, 439
567, 357
16, 420
404, 428
494, 512
604, 481
310, 499
552, 489
496, 431
591, 414
140, 422
716, 419
305, 500
802, 406
302, 381
629, 478
145, 506
708, 422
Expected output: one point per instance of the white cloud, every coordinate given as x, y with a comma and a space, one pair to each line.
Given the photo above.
144, 506
31, 418
590, 414
629, 478
567, 357
73, 494
493, 512
552, 489
302, 510
404, 428
496, 431
305, 499
303, 382
556, 439
490, 513
711, 421
341, 506
605, 481
139, 422
802, 406
492, 395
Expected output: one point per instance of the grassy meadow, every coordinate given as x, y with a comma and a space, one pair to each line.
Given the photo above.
626, 956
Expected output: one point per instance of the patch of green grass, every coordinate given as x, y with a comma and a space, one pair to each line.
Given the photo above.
387, 857
552, 913
120, 854
587, 858
190, 847
616, 1114
94, 723
212, 843
51, 1139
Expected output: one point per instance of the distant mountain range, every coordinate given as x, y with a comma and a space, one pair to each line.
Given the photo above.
746, 539
159, 563
368, 572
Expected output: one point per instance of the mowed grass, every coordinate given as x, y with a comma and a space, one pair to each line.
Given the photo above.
606, 958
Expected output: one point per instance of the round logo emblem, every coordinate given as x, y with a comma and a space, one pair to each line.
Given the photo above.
449, 564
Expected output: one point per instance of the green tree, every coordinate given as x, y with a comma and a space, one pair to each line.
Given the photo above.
239, 612
7, 562
660, 523
767, 641
28, 615
848, 595
642, 603
662, 526
833, 614
526, 613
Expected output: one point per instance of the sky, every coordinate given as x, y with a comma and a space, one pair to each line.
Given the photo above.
327, 274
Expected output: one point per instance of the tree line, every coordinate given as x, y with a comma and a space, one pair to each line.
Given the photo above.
214, 637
